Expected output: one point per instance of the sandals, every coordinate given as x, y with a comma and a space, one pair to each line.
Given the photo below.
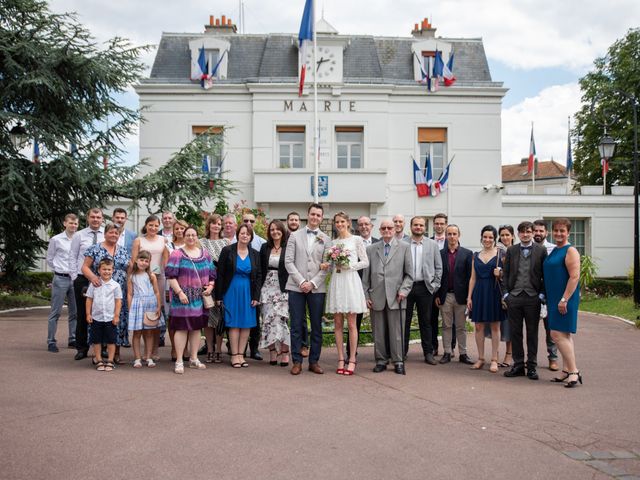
197, 364
340, 370
137, 363
573, 383
479, 365
217, 357
560, 380
284, 355
209, 357
179, 368
504, 363
150, 363
273, 361
100, 366
493, 368
109, 366
348, 372
235, 364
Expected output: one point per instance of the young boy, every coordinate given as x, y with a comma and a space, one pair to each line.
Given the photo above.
103, 312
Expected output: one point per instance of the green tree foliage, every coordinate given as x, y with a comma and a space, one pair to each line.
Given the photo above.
62, 86
602, 103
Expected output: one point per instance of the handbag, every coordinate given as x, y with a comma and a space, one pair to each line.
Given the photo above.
151, 319
207, 298
503, 303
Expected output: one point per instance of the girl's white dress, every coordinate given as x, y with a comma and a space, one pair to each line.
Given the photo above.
345, 293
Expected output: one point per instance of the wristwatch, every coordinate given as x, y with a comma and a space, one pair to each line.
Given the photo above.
563, 300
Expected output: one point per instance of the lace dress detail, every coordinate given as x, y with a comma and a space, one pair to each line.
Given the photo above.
345, 293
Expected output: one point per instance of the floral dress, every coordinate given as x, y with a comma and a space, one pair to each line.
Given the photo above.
121, 260
214, 247
274, 305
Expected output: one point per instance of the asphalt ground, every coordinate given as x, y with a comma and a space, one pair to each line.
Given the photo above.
61, 419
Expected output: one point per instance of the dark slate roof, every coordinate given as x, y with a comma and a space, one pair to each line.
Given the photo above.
274, 58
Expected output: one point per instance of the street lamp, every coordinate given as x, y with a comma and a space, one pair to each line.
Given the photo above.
606, 148
18, 136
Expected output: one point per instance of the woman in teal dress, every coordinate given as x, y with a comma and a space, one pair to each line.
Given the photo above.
561, 277
238, 291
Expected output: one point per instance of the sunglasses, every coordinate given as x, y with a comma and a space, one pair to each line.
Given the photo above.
249, 221
386, 228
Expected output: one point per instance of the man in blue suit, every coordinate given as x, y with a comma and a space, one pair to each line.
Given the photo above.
127, 237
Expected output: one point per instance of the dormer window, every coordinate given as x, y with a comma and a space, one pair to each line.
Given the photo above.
216, 54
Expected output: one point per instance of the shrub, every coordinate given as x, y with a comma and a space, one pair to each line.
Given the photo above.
608, 287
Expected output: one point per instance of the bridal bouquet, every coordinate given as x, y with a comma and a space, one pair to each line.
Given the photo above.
339, 256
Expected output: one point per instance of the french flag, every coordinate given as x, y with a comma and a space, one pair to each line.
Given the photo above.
447, 72
305, 37
441, 184
532, 153
201, 71
419, 181
36, 152
605, 166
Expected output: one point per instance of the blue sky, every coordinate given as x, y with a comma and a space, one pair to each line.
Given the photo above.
538, 48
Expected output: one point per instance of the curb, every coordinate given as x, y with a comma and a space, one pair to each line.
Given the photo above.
10, 310
629, 322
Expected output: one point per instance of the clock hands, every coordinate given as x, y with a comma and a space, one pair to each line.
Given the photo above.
320, 62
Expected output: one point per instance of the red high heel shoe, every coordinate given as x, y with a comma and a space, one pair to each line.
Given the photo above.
340, 371
348, 372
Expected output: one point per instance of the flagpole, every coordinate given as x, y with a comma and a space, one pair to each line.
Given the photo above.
316, 152
533, 168
568, 150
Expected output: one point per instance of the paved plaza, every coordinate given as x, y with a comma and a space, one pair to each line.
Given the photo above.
61, 419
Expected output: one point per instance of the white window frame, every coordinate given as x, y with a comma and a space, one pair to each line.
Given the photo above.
291, 144
586, 222
436, 169
219, 164
350, 145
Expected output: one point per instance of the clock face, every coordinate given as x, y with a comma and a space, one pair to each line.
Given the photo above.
326, 63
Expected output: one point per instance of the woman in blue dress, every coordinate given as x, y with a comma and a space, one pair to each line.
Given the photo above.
561, 279
483, 302
238, 291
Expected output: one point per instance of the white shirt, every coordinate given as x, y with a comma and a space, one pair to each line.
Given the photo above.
104, 300
416, 254
58, 253
168, 236
310, 237
440, 241
82, 240
549, 246
367, 241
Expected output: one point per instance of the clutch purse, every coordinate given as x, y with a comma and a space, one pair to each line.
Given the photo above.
207, 301
151, 319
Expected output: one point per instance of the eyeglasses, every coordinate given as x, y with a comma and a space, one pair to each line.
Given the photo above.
246, 220
506, 225
386, 228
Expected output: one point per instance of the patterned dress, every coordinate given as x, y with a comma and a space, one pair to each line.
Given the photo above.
192, 274
275, 309
121, 260
144, 300
214, 247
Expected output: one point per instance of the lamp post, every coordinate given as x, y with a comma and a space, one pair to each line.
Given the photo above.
18, 135
606, 148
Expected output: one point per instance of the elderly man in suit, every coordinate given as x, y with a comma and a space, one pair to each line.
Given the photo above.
452, 296
523, 287
306, 287
427, 272
387, 282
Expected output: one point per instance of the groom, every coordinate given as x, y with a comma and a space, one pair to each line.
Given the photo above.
306, 287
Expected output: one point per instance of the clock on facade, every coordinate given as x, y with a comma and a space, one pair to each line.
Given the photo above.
328, 65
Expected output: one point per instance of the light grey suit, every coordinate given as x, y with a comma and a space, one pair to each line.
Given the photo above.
382, 281
431, 265
303, 264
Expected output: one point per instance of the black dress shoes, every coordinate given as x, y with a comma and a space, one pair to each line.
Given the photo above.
464, 358
532, 374
446, 358
428, 358
515, 372
399, 368
80, 355
380, 367
256, 355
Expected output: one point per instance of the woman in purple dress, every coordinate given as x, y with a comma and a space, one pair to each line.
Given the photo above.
191, 274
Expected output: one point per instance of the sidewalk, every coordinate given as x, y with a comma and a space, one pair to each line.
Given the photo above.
61, 419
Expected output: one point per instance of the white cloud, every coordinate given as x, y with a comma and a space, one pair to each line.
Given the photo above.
548, 111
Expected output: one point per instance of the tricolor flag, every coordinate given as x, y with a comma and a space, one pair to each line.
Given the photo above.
447, 73
215, 69
429, 178
438, 70
305, 37
605, 166
532, 153
419, 181
201, 69
205, 164
441, 184
36, 152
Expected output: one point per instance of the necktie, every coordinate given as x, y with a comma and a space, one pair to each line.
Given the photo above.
95, 237
387, 247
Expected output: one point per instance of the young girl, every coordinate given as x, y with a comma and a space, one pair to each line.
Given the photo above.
143, 297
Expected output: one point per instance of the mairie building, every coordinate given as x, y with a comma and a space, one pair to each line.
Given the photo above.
377, 115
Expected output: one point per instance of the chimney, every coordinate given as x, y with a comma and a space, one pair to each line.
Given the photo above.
423, 29
219, 26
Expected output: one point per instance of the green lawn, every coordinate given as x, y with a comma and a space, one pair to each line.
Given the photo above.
8, 301
618, 306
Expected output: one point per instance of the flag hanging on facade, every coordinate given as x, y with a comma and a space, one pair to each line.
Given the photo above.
36, 152
532, 153
73, 149
201, 70
429, 175
440, 185
419, 181
449, 77
569, 157
214, 72
205, 164
305, 37
438, 70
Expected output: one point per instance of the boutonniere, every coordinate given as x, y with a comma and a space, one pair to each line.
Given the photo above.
319, 240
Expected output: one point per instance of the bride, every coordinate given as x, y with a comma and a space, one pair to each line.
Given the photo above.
344, 256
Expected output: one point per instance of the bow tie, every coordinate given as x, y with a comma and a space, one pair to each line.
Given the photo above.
312, 232
527, 248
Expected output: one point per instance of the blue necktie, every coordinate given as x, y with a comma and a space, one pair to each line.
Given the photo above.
387, 247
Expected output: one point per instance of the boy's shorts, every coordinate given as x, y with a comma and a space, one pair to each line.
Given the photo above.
103, 332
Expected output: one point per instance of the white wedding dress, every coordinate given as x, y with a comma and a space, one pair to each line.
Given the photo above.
345, 294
